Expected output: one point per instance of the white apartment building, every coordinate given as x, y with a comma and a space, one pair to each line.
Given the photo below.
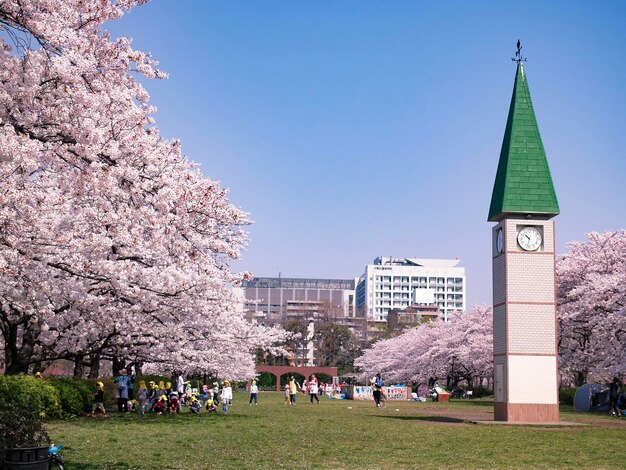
402, 282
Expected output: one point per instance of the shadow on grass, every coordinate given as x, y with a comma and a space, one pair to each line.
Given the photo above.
433, 419
152, 419
89, 466
476, 403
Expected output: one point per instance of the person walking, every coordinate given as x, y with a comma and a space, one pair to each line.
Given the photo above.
313, 392
293, 389
378, 386
614, 390
99, 401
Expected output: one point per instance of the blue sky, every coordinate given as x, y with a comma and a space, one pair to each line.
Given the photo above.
350, 130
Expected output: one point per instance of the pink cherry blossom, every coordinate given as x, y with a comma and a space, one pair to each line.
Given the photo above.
112, 243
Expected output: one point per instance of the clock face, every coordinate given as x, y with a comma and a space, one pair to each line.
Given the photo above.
529, 238
500, 241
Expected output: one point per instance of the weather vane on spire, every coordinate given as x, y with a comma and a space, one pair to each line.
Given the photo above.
518, 54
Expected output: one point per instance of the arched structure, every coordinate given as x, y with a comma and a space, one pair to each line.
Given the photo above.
306, 371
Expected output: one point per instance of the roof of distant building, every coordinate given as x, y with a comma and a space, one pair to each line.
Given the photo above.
299, 283
431, 263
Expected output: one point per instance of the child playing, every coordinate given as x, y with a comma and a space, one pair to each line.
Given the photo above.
205, 394
195, 405
286, 395
152, 395
210, 406
174, 403
161, 405
99, 401
216, 393
227, 396
142, 396
254, 392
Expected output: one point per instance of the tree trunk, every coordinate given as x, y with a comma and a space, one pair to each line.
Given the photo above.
580, 378
79, 367
118, 364
14, 357
94, 366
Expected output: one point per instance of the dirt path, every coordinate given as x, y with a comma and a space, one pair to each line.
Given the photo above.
433, 414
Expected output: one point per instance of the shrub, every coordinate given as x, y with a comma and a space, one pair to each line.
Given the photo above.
266, 380
75, 396
27, 390
566, 395
20, 427
480, 392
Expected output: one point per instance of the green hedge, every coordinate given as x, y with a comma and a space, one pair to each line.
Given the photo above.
266, 380
480, 392
53, 397
566, 395
61, 397
75, 396
25, 389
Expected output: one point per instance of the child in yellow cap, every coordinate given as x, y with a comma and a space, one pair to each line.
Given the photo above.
99, 401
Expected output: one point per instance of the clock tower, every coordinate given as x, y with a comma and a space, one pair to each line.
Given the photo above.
523, 203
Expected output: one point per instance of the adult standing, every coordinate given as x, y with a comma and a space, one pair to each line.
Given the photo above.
121, 391
378, 386
180, 384
293, 389
130, 382
614, 390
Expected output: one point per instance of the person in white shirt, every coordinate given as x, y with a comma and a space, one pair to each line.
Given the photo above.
313, 391
254, 391
180, 385
227, 396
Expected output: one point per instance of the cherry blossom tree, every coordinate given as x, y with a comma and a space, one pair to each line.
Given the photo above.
461, 349
591, 286
591, 283
111, 241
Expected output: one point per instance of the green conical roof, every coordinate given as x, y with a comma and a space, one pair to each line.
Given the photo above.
523, 183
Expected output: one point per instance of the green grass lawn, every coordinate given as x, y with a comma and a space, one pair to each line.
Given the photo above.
338, 434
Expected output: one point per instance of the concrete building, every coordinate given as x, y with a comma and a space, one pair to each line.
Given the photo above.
274, 300
405, 318
398, 283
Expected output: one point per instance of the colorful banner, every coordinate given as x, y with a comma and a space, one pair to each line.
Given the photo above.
392, 392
